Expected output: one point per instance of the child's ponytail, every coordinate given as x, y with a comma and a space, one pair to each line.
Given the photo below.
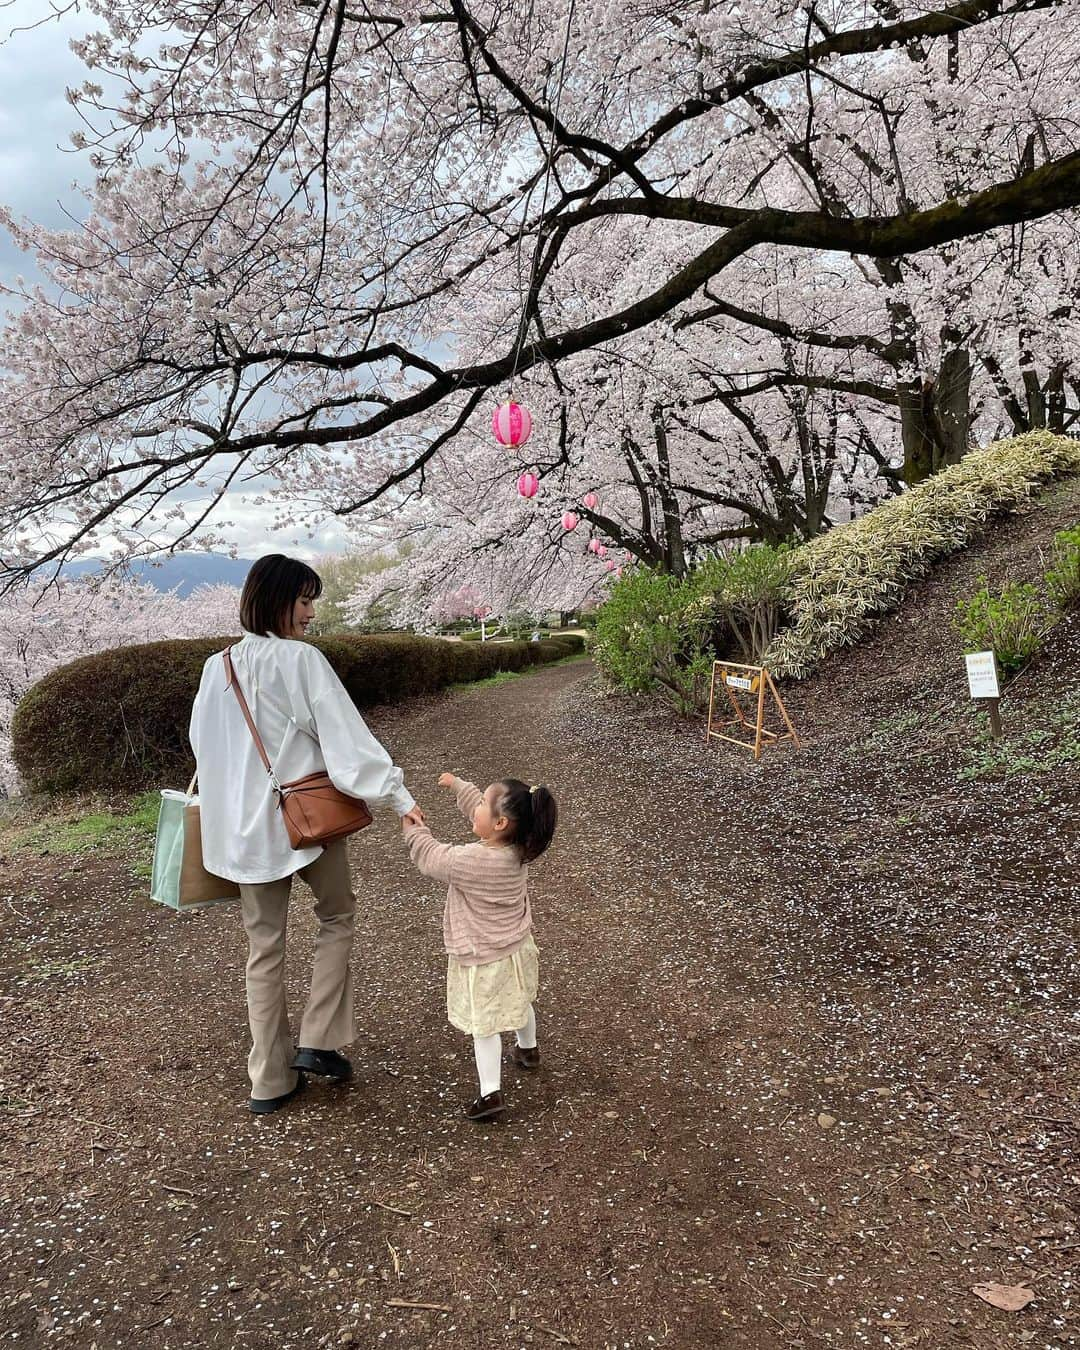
534, 813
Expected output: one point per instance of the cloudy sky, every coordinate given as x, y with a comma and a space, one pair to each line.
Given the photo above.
39, 177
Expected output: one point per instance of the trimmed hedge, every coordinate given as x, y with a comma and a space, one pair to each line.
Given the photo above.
575, 641
845, 579
121, 716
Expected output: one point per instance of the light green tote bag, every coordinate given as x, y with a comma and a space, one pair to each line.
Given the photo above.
178, 878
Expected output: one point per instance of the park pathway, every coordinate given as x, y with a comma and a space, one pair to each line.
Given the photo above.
754, 1125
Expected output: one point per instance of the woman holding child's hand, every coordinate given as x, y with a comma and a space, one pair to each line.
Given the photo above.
304, 713
492, 963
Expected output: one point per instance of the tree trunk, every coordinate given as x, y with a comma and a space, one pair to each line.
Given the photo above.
1055, 399
916, 429
935, 417
952, 406
674, 552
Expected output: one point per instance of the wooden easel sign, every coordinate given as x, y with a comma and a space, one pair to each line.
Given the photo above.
745, 688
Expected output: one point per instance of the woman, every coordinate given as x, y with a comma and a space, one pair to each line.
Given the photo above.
308, 723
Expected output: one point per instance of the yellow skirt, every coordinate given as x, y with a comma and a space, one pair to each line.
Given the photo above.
482, 1000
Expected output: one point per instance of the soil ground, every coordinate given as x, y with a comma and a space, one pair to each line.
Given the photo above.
809, 1037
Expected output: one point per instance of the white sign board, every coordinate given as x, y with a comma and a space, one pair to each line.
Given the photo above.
738, 682
982, 674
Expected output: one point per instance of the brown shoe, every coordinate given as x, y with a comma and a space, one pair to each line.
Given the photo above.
527, 1059
485, 1108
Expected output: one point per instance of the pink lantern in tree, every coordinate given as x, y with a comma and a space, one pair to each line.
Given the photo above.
618, 572
569, 521
528, 484
601, 551
609, 565
594, 545
589, 500
511, 424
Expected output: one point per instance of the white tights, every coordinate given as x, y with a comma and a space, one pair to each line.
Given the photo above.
488, 1051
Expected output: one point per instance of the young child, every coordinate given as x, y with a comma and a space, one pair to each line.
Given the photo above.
492, 961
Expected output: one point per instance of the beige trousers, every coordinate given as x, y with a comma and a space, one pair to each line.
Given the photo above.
328, 1018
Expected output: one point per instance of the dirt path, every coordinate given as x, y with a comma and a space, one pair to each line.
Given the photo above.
733, 957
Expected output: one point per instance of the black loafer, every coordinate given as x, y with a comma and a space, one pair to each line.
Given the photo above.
327, 1063
529, 1060
486, 1108
263, 1106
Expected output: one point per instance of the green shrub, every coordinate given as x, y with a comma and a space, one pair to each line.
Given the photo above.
120, 718
1063, 574
843, 580
658, 633
1011, 623
748, 591
105, 720
575, 641
550, 649
654, 634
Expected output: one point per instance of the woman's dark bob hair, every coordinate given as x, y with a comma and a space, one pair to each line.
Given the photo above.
273, 586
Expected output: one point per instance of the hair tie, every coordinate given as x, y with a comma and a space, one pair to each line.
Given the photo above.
535, 788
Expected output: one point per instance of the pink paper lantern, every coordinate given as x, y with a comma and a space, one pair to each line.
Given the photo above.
569, 521
601, 551
594, 545
589, 500
618, 571
528, 484
511, 424
609, 565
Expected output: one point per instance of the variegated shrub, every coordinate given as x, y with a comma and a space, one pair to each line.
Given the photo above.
842, 580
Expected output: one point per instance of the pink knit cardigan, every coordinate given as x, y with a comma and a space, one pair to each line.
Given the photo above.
487, 914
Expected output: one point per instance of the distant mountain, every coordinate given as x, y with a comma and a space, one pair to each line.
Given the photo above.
181, 572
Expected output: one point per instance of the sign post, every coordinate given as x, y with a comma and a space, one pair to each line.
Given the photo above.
753, 681
983, 683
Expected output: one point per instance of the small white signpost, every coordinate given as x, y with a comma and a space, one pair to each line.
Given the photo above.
983, 683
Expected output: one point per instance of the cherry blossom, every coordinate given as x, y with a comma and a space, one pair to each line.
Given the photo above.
325, 242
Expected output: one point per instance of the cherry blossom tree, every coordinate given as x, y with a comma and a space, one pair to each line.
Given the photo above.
953, 313
649, 463
997, 346
323, 236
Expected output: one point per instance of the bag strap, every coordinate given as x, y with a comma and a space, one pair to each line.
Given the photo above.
232, 682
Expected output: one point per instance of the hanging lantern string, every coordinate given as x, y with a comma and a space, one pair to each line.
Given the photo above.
523, 326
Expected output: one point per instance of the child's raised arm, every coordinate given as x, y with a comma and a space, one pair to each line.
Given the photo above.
428, 855
468, 794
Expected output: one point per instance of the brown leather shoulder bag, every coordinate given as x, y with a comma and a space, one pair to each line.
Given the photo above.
314, 810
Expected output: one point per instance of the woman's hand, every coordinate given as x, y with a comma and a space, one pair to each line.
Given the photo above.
413, 817
447, 780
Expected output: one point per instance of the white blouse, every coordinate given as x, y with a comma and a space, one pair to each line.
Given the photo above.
308, 723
